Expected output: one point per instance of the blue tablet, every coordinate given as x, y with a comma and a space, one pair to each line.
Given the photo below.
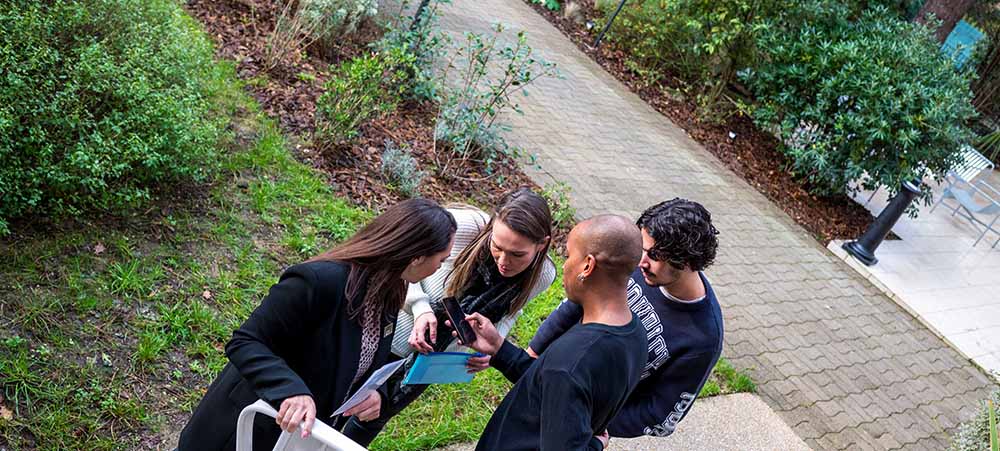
440, 368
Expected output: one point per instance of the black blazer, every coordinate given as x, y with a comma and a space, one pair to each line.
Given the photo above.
299, 341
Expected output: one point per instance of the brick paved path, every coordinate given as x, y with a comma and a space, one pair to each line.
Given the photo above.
840, 362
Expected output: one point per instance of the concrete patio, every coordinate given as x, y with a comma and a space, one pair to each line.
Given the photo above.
936, 274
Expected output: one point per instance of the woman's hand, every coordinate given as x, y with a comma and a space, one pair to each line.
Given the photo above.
477, 364
295, 411
368, 409
422, 324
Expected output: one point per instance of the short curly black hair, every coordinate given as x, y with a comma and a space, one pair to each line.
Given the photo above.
683, 234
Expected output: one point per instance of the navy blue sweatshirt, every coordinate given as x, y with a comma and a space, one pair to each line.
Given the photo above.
560, 401
685, 341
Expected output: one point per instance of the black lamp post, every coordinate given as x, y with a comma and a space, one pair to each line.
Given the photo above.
864, 248
597, 41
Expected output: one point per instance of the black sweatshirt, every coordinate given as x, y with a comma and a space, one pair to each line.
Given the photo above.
685, 341
568, 395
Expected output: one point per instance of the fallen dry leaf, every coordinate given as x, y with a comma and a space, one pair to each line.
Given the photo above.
6, 413
99, 249
206, 294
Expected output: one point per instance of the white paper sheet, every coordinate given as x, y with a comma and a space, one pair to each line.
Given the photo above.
375, 381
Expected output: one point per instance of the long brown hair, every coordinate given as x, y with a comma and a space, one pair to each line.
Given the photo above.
382, 249
526, 213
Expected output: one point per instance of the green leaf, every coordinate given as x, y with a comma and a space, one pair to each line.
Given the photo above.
994, 443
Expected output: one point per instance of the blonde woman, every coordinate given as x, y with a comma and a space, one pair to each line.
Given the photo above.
497, 265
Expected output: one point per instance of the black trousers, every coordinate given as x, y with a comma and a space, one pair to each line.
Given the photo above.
400, 396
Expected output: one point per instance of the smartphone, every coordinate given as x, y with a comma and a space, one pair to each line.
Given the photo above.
457, 317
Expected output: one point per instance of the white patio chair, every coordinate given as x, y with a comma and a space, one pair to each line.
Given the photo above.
322, 438
970, 165
970, 197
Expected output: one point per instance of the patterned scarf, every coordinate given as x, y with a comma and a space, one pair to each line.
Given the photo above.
488, 293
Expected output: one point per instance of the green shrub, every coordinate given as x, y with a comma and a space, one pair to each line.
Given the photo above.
704, 42
974, 435
100, 102
399, 166
563, 213
363, 87
872, 101
425, 42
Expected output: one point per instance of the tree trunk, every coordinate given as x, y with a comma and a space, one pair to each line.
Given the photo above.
949, 12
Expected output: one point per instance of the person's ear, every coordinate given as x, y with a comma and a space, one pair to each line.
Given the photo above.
417, 260
539, 250
590, 262
545, 242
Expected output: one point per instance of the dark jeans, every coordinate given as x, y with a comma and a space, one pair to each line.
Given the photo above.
400, 396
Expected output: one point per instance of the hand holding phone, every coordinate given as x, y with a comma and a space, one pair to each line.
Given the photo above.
457, 318
488, 340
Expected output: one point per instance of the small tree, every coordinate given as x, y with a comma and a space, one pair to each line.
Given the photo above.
469, 124
872, 101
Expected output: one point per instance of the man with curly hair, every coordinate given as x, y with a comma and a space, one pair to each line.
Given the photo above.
674, 301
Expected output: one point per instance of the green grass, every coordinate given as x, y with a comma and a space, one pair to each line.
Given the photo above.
110, 350
725, 379
448, 414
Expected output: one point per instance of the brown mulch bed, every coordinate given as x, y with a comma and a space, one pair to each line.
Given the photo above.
753, 154
288, 93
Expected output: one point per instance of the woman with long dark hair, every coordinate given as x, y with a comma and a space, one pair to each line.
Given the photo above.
323, 329
496, 266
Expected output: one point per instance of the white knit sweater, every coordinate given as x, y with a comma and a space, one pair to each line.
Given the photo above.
470, 222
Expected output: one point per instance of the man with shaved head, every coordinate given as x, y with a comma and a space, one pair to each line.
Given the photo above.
565, 399
673, 300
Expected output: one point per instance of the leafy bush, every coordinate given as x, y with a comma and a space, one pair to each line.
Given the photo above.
872, 100
361, 88
468, 123
400, 168
974, 435
425, 42
704, 42
100, 102
557, 195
